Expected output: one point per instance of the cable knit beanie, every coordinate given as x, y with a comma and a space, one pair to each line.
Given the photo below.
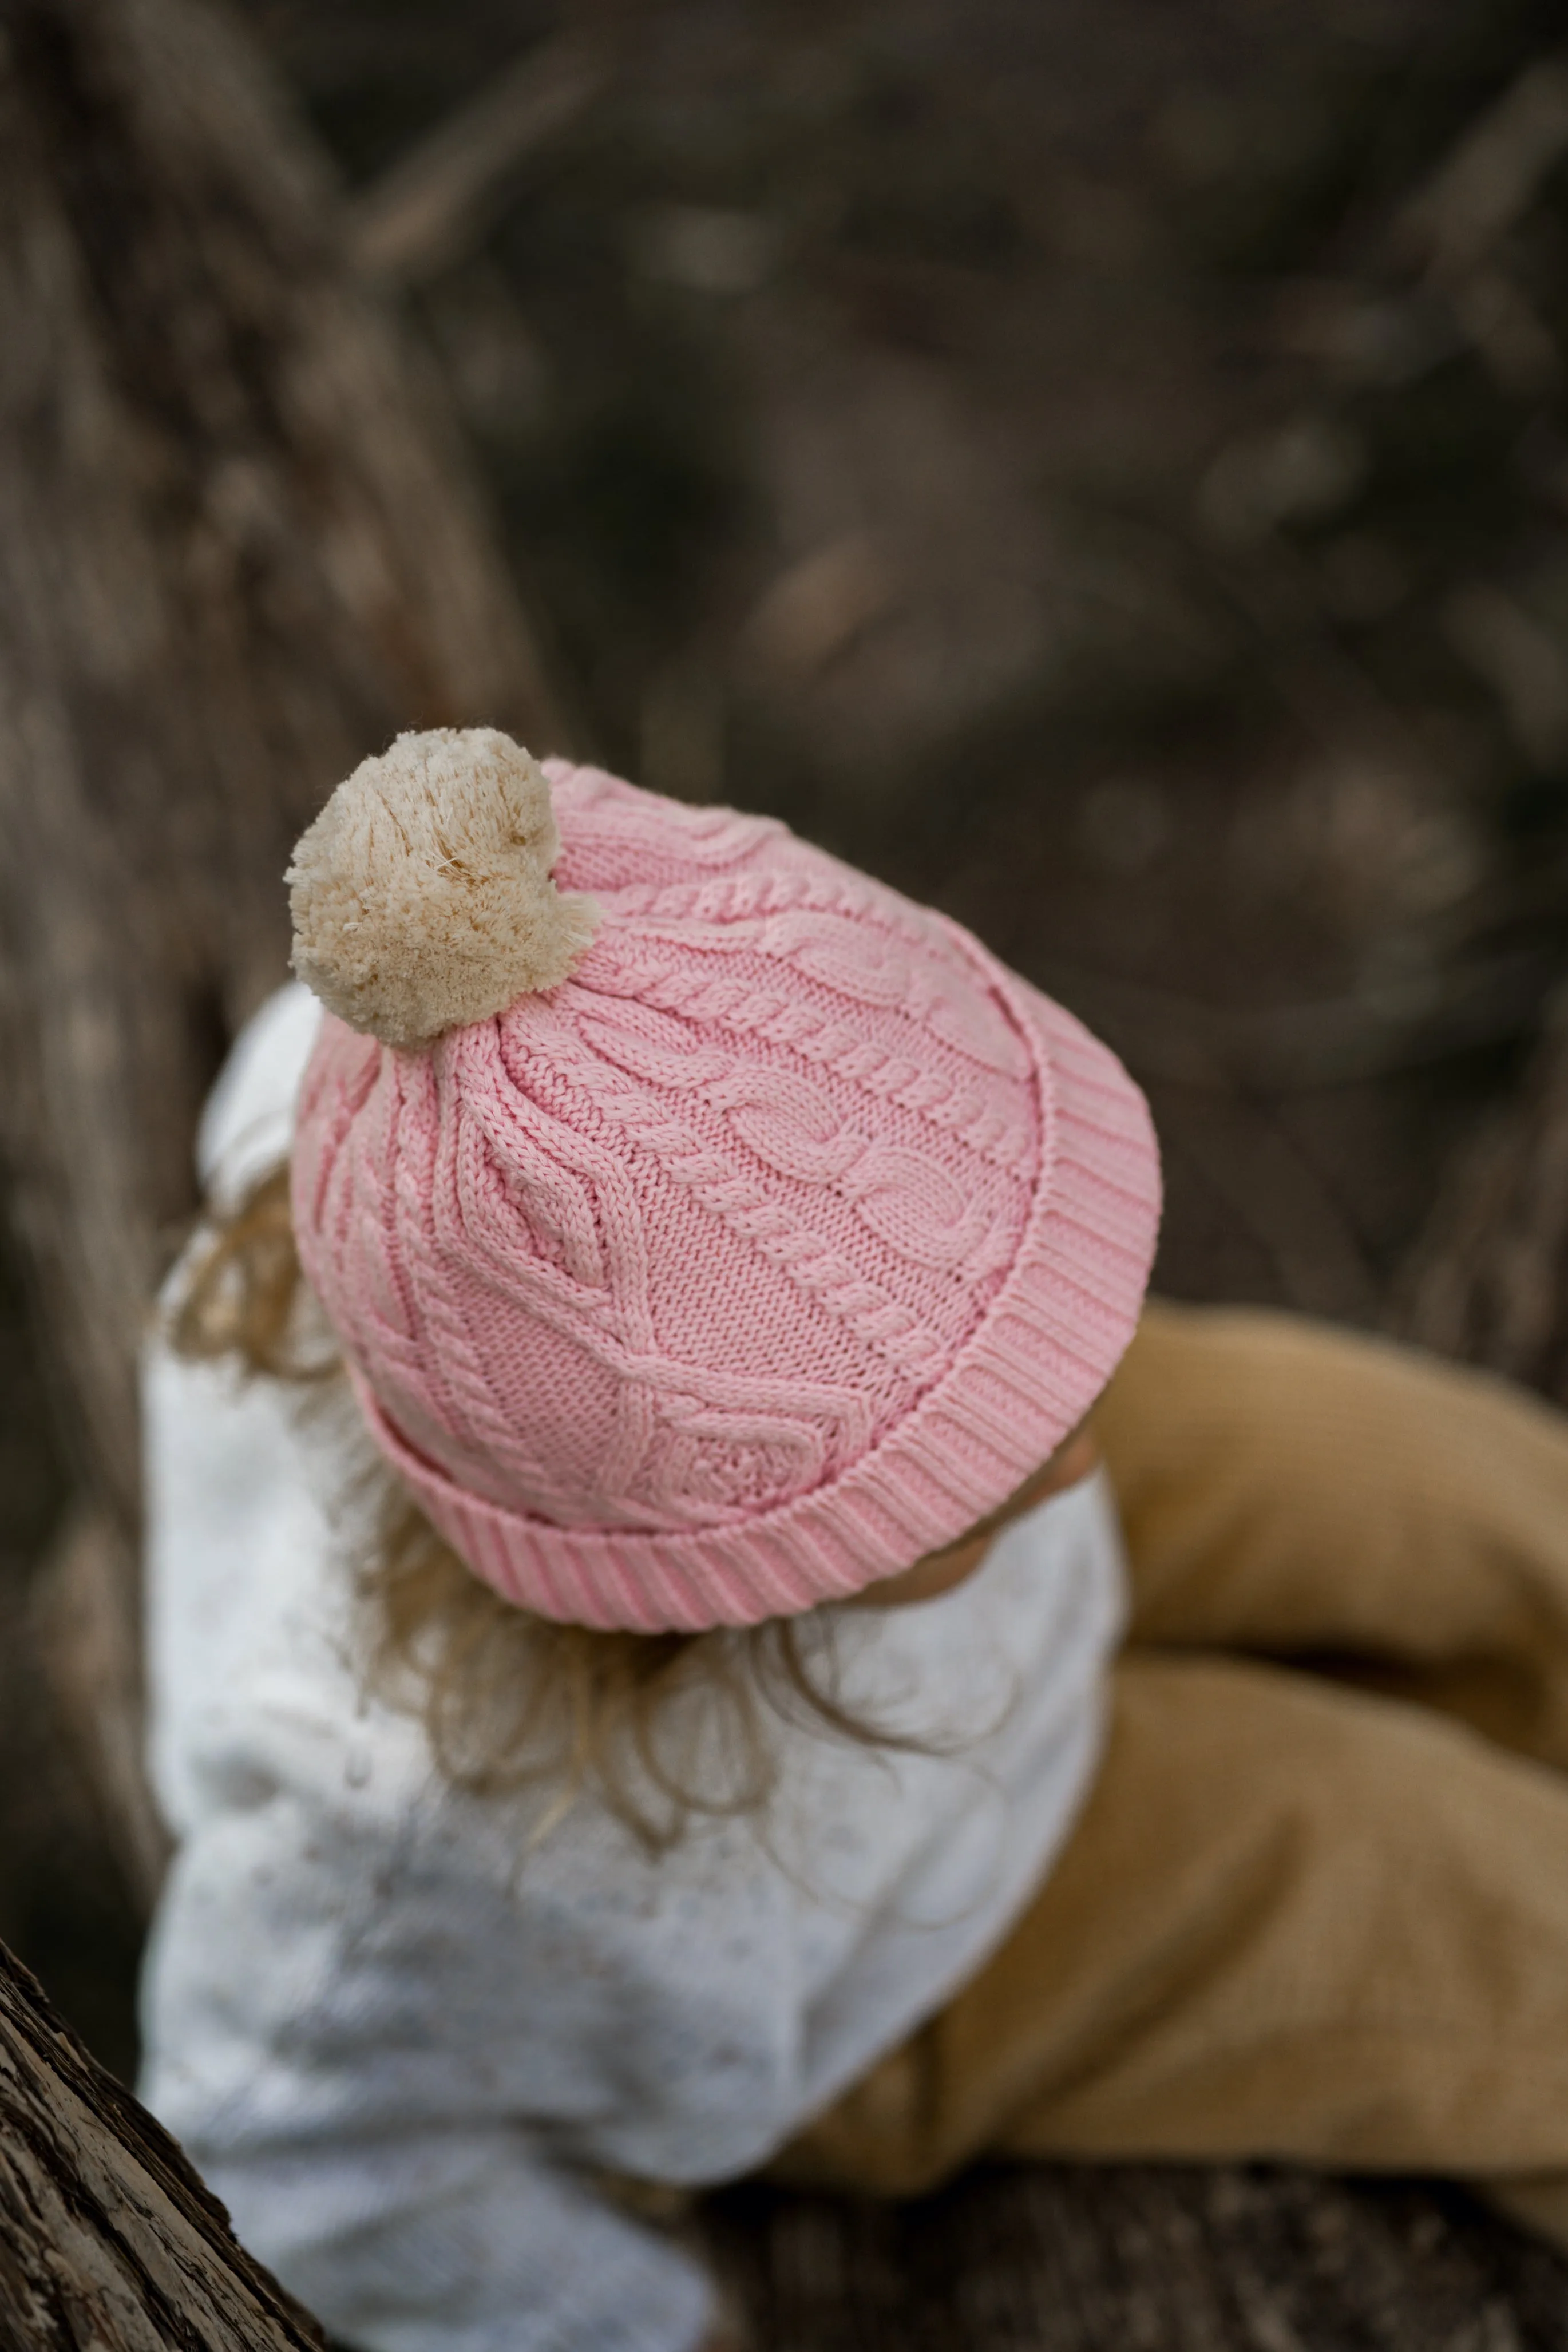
708, 1230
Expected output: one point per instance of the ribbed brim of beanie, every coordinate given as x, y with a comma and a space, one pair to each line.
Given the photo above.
761, 1252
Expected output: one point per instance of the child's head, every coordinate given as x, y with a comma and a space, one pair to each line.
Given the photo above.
711, 1245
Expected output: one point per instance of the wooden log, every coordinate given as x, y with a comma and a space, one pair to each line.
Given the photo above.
1083, 2258
84, 1631
107, 2241
239, 551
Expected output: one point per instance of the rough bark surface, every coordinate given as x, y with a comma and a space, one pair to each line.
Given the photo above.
107, 2241
1048, 2258
237, 553
81, 1630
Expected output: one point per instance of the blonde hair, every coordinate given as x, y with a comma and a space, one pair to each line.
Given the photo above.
506, 1697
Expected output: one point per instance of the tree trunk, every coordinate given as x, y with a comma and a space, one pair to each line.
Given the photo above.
107, 2241
238, 551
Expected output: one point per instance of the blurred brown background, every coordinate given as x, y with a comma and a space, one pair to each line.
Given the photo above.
1101, 464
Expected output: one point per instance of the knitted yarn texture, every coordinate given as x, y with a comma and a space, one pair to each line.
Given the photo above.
422, 895
764, 1252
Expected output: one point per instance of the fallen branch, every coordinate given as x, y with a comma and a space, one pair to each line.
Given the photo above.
107, 2241
1493, 174
436, 199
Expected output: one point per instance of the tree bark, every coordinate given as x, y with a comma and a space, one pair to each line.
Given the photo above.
239, 551
107, 2241
83, 1629
1102, 2258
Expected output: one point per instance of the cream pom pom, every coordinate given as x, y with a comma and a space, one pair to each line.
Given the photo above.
421, 895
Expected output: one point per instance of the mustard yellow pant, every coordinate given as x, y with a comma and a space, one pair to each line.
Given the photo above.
1316, 1907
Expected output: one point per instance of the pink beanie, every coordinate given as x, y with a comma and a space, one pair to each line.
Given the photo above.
708, 1247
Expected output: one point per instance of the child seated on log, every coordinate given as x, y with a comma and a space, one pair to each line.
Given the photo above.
646, 1682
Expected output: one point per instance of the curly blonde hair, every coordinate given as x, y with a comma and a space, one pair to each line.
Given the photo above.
506, 1697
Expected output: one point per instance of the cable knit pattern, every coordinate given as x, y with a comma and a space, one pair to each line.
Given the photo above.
765, 1253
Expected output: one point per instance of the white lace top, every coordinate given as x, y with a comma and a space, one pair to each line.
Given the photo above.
400, 2029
